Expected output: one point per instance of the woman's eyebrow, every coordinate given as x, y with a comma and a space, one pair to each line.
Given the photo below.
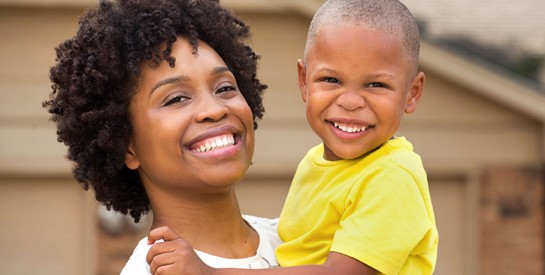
182, 78
170, 80
220, 70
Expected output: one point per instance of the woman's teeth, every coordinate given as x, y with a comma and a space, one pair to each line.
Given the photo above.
215, 143
349, 129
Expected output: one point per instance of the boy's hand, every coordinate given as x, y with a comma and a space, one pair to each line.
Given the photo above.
174, 255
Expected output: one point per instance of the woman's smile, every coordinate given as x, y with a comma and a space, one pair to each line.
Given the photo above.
214, 143
219, 142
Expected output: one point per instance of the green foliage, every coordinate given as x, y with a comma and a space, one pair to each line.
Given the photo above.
530, 65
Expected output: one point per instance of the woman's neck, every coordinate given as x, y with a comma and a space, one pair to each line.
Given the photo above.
212, 224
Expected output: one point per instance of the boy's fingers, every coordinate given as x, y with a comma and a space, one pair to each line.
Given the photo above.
178, 246
160, 261
162, 233
158, 249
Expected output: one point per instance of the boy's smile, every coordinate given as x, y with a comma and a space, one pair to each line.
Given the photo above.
351, 130
349, 127
356, 83
193, 129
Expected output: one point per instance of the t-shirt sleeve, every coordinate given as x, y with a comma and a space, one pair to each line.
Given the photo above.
385, 217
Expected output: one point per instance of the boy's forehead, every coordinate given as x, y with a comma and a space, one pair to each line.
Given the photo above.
355, 34
356, 26
353, 30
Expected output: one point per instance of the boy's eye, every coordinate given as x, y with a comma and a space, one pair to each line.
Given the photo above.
376, 85
329, 80
174, 100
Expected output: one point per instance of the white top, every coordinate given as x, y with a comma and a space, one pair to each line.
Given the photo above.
264, 258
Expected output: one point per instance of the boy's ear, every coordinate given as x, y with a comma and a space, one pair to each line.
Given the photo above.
302, 79
131, 160
415, 93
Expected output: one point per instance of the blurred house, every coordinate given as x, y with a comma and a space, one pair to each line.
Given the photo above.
480, 130
510, 33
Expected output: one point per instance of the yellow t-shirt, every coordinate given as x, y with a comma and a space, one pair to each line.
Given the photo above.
376, 209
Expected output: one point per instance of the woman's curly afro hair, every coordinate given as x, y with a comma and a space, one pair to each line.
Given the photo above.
96, 72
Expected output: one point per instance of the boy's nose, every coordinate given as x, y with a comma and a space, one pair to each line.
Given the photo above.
211, 108
350, 100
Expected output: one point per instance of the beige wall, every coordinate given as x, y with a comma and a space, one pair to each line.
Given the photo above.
454, 127
283, 136
47, 227
450, 204
28, 38
47, 220
455, 130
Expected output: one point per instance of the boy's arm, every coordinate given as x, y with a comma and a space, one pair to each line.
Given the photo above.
176, 256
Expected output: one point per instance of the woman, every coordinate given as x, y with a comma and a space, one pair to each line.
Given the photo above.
157, 103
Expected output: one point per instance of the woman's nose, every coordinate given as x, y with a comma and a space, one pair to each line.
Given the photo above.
211, 108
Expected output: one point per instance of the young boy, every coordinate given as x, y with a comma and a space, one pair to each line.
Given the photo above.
359, 203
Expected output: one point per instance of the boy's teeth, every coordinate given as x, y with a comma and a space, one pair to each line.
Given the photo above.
215, 143
348, 129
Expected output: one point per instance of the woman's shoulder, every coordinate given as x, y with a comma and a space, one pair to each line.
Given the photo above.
261, 221
265, 227
268, 237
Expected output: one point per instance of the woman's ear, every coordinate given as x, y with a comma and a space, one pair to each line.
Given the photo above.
302, 79
131, 160
415, 93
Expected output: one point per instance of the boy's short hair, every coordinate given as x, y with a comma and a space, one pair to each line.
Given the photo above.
388, 16
96, 73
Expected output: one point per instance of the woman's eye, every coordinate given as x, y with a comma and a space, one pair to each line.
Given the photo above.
174, 100
226, 89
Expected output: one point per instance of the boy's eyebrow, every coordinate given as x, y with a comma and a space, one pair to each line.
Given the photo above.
372, 75
181, 78
383, 75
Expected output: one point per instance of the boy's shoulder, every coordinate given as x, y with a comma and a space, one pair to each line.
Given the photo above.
397, 150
